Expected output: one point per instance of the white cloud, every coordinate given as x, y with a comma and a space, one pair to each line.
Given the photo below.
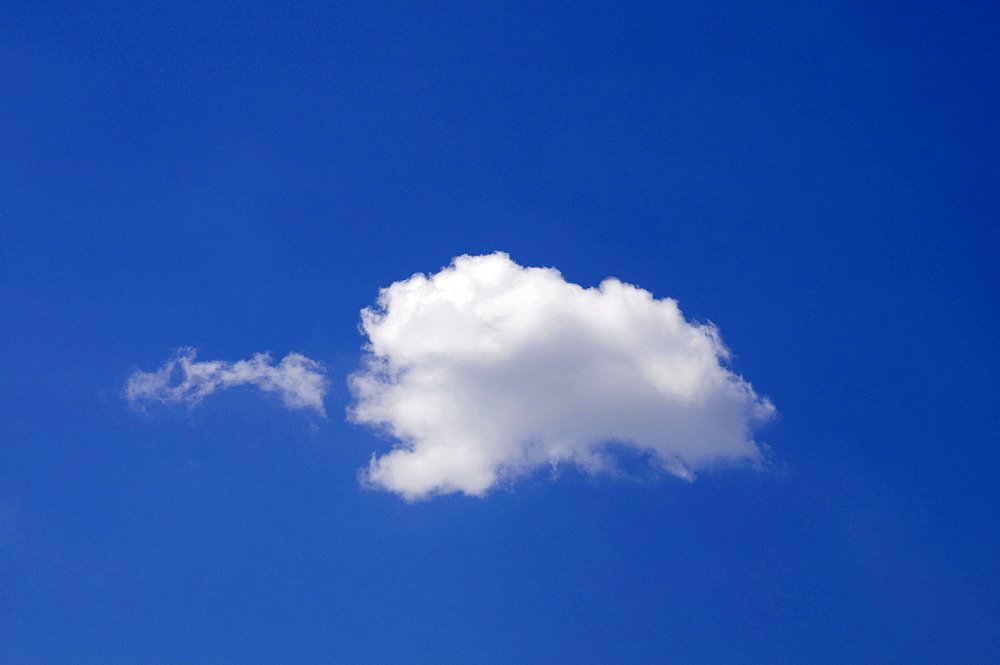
297, 379
487, 370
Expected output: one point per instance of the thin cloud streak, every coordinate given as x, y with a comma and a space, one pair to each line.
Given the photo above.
298, 380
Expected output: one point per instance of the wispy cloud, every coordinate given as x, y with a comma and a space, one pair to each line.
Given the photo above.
487, 370
181, 380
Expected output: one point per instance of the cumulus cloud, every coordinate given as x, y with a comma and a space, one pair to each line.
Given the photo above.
488, 370
298, 380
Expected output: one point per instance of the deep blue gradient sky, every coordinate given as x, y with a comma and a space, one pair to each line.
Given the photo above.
818, 180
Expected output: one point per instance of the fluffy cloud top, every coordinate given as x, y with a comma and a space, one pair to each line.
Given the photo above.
487, 370
297, 379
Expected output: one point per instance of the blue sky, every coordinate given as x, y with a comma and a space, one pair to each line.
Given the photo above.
818, 181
